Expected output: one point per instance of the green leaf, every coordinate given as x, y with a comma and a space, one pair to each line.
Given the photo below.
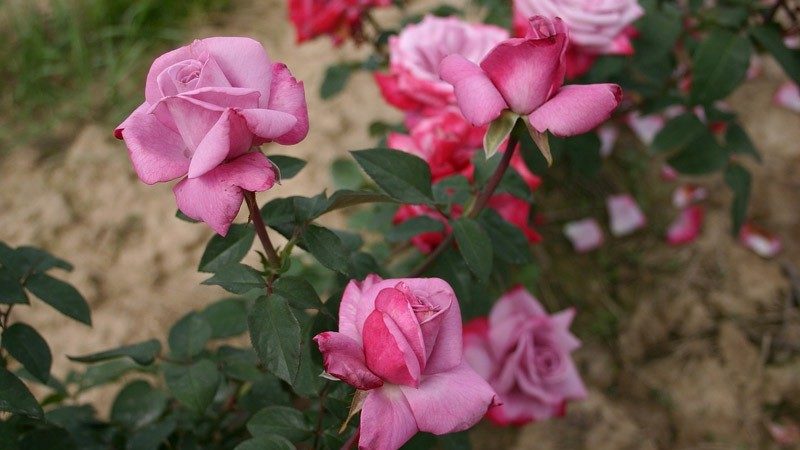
288, 166
188, 337
345, 199
452, 189
180, 215
335, 80
15, 396
239, 364
326, 247
266, 442
282, 421
509, 244
413, 227
678, 133
403, 176
298, 292
143, 353
138, 404
237, 278
498, 131
739, 180
720, 65
275, 335
737, 141
227, 317
11, 291
225, 250
61, 296
48, 437
194, 386
28, 347
345, 174
105, 372
700, 157
152, 436
769, 37
27, 259
475, 246
456, 441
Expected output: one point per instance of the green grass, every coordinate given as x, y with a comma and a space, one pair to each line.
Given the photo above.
68, 61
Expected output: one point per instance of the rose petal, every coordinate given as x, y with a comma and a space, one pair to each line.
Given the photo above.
526, 71
228, 138
152, 91
478, 99
244, 62
266, 124
216, 197
388, 353
686, 227
344, 358
450, 401
760, 241
158, 154
288, 95
386, 420
625, 215
576, 109
788, 96
476, 347
394, 304
512, 310
585, 235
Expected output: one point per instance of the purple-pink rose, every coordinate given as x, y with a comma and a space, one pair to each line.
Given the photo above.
526, 76
400, 340
524, 353
413, 83
206, 106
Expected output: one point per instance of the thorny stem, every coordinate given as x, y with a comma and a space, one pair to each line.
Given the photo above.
480, 202
349, 444
261, 230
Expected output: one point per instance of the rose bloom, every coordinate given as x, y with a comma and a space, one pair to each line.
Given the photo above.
596, 27
413, 83
524, 353
526, 76
206, 106
400, 340
340, 19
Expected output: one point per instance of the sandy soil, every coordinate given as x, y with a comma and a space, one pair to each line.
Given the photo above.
707, 356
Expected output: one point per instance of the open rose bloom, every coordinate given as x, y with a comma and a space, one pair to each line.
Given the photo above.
413, 83
526, 76
597, 27
525, 354
400, 340
206, 106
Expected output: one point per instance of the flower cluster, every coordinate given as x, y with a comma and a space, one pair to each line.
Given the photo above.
339, 19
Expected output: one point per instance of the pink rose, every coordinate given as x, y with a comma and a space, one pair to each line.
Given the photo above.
206, 105
338, 18
526, 76
597, 27
413, 83
400, 340
524, 353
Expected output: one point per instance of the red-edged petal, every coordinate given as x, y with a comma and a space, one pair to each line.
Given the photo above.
686, 227
343, 358
760, 241
288, 95
388, 353
576, 109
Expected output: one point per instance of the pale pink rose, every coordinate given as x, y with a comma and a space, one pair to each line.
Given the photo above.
524, 353
760, 241
413, 83
526, 75
206, 106
596, 27
686, 227
401, 341
340, 19
585, 234
788, 96
624, 214
687, 194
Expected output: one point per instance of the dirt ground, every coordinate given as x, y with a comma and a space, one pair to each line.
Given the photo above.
707, 358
